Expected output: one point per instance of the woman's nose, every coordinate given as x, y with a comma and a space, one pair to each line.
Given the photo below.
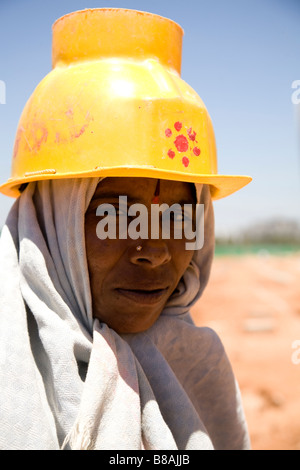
150, 252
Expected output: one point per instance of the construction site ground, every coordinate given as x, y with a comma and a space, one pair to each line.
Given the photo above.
253, 303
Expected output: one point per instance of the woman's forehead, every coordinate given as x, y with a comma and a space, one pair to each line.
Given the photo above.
139, 189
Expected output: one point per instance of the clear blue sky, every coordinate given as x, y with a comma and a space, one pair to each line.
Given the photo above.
241, 56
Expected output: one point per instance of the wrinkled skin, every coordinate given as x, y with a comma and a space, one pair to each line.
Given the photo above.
130, 288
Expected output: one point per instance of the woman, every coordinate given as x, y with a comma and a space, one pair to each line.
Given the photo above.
98, 348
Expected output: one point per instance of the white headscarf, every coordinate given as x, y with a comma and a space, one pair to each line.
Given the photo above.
68, 380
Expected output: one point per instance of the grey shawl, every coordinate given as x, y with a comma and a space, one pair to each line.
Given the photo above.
69, 381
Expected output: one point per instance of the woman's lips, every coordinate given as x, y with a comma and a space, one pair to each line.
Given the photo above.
145, 297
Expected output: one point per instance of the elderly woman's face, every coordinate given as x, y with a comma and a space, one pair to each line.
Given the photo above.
131, 286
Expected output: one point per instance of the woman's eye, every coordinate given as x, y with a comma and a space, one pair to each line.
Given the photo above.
188, 214
175, 215
106, 209
121, 212
178, 216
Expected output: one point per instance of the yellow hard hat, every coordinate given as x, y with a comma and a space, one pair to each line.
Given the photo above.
115, 105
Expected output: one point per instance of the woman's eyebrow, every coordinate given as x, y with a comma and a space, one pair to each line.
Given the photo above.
182, 202
113, 195
134, 199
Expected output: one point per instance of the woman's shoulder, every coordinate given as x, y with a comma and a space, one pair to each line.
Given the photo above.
176, 337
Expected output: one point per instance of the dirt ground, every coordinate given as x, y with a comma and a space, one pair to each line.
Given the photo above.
253, 303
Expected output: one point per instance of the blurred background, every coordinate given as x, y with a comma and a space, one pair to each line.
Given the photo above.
243, 59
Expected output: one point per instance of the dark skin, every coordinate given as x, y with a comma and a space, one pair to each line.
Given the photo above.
130, 288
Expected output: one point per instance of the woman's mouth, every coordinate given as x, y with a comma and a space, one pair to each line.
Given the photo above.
145, 297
